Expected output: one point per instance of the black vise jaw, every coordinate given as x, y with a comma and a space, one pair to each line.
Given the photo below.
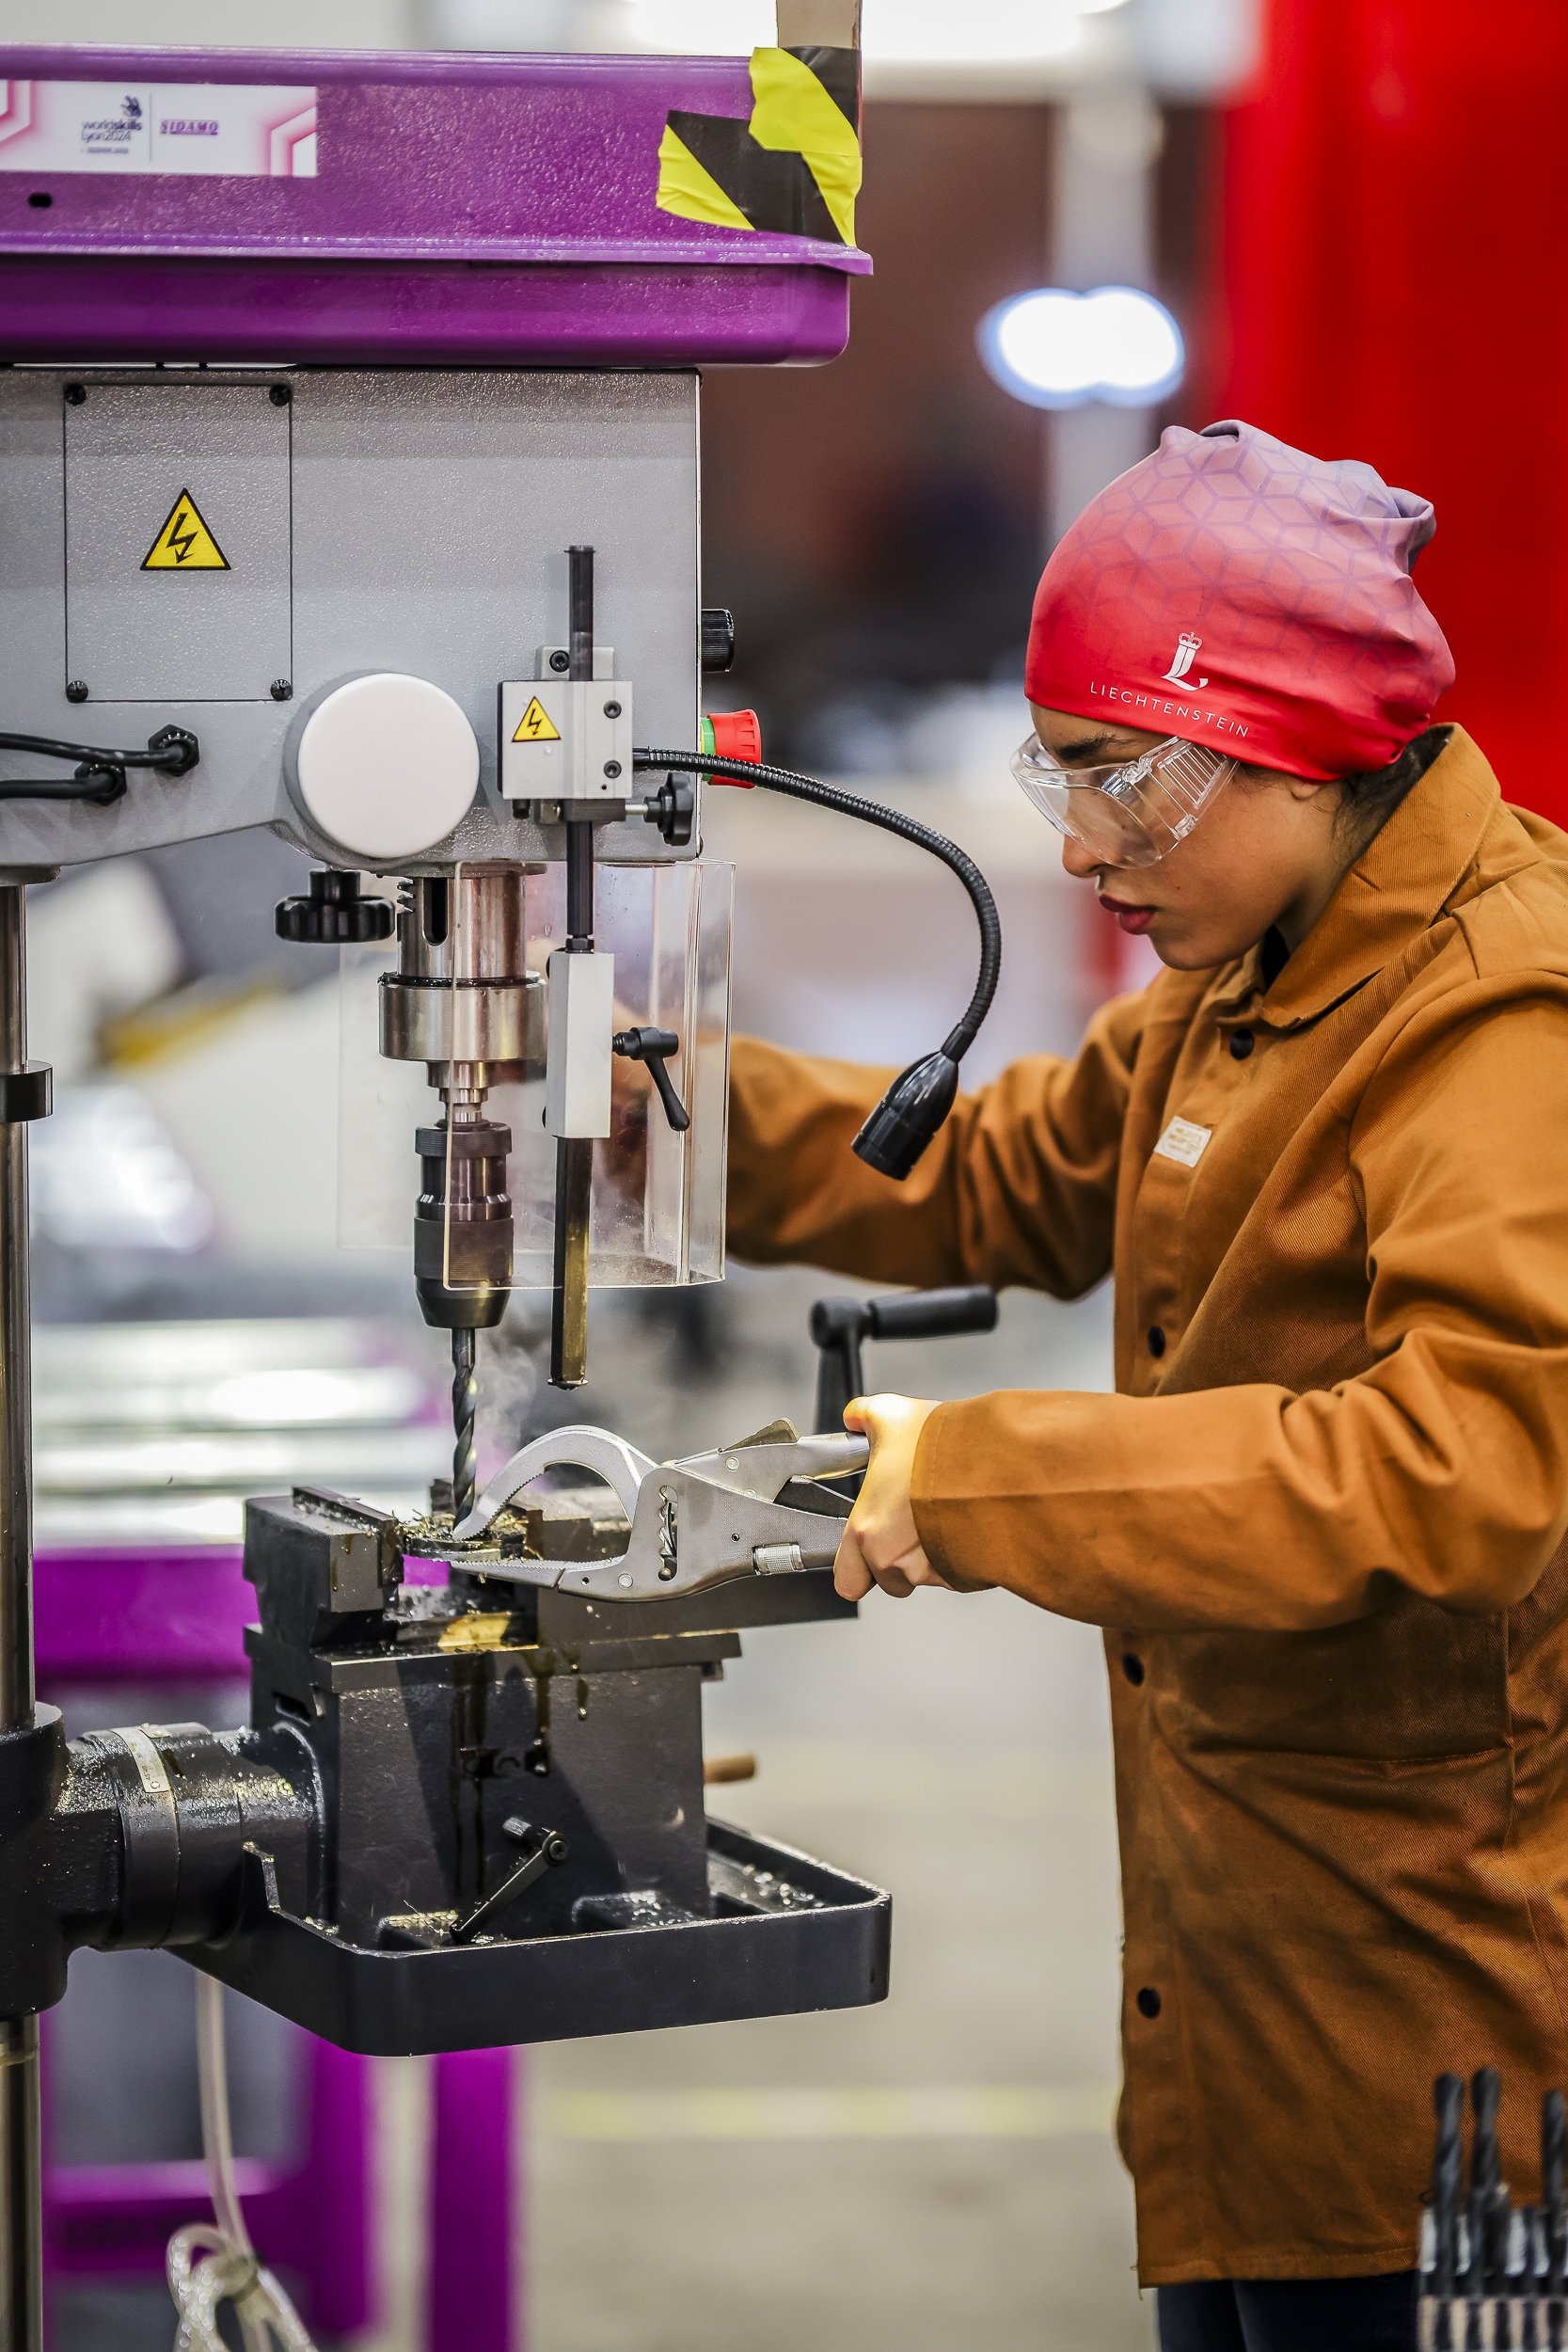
322, 1565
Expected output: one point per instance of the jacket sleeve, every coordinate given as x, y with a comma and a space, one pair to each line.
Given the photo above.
1017, 1186
1442, 1469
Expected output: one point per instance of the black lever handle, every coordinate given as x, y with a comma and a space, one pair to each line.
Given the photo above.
652, 1048
838, 1326
547, 1849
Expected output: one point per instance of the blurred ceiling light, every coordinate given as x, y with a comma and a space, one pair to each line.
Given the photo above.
371, 1393
1053, 349
901, 32
933, 32
703, 29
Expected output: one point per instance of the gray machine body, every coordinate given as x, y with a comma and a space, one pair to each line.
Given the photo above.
376, 520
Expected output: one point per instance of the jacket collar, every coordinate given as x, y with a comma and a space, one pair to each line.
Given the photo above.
1407, 874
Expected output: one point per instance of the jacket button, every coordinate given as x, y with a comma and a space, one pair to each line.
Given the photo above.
1156, 1339
1132, 1667
1148, 2002
1242, 1044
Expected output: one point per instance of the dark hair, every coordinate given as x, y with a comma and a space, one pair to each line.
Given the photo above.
1372, 797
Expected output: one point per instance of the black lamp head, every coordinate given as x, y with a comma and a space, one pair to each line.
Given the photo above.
907, 1116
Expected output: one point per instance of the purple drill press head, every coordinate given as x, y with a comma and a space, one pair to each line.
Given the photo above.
358, 207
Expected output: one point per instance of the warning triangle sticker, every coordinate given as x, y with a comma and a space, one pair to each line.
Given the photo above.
184, 544
536, 726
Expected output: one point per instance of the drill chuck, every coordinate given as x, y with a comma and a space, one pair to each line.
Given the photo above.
463, 1226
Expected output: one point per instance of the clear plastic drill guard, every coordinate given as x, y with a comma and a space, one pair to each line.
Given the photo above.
658, 1207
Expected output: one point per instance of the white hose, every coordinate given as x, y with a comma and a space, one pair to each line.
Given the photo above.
209, 2265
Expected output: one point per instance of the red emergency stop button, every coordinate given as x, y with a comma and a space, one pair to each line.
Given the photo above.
733, 734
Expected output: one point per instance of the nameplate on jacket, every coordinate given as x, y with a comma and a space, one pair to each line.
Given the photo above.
1182, 1141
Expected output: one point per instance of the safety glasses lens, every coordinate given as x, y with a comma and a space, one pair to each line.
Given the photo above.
1132, 814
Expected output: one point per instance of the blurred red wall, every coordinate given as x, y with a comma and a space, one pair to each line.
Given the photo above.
1395, 200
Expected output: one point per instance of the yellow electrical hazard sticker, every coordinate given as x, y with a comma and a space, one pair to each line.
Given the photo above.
536, 726
184, 544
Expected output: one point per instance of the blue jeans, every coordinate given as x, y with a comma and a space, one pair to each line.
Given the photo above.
1290, 2316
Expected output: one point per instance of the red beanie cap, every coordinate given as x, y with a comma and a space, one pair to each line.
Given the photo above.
1246, 596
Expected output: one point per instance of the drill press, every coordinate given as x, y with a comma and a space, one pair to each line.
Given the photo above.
387, 594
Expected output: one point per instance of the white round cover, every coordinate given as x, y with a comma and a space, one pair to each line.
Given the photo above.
387, 765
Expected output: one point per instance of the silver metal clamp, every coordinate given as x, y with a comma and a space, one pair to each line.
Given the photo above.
696, 1522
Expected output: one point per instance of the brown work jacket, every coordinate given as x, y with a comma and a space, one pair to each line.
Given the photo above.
1323, 1518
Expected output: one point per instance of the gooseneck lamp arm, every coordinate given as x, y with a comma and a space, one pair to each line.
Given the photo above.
920, 1098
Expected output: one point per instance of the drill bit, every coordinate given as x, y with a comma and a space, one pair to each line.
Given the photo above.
1553, 2167
1488, 2214
464, 1405
1447, 2191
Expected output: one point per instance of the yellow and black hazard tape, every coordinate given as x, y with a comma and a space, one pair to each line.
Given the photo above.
794, 169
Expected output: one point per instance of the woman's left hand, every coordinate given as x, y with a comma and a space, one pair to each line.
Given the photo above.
881, 1544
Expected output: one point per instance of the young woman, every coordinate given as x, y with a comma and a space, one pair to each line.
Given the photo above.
1322, 1518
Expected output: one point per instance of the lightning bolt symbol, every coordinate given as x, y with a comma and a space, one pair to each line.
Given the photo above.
180, 542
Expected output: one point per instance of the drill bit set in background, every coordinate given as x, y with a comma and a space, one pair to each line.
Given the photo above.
1491, 2276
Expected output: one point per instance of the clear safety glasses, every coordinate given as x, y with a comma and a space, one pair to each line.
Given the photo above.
1135, 813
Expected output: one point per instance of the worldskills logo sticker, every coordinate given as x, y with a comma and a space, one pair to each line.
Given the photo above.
234, 130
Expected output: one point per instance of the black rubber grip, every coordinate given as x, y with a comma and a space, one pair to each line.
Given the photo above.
932, 1314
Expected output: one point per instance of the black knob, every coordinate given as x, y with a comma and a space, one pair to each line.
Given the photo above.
674, 809
334, 913
717, 641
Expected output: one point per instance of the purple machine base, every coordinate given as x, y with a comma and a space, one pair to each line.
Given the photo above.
482, 210
130, 1617
312, 2219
